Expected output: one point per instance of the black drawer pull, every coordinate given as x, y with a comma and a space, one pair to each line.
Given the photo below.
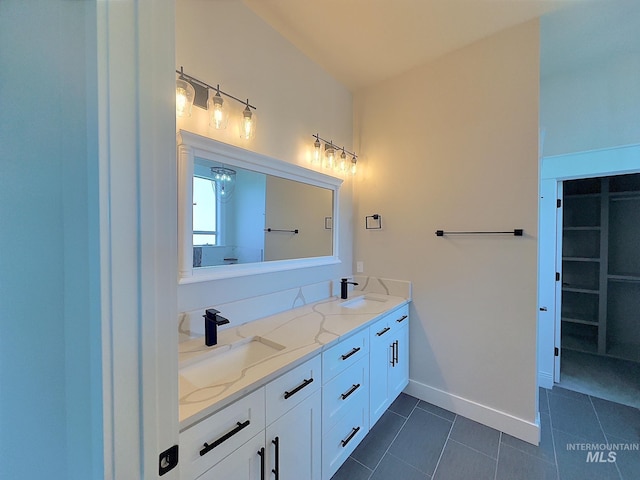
207, 447
383, 331
355, 350
351, 435
262, 459
351, 390
401, 319
276, 470
298, 388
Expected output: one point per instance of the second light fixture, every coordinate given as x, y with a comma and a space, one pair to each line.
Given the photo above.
330, 160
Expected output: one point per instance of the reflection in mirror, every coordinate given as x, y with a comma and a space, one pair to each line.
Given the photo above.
241, 216
242, 213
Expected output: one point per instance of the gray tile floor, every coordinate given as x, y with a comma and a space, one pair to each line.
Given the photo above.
415, 440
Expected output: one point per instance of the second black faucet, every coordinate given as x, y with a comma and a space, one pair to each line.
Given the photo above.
343, 287
211, 322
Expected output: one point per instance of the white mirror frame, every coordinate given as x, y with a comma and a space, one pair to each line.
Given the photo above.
190, 146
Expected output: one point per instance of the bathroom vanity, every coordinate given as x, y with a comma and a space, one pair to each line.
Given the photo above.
290, 395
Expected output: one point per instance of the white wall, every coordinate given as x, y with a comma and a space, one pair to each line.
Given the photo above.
225, 43
590, 65
453, 145
50, 340
297, 206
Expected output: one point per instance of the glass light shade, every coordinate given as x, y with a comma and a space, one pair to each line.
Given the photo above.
248, 124
218, 115
185, 93
330, 155
317, 152
354, 163
342, 163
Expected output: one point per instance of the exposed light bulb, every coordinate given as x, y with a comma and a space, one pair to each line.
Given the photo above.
181, 101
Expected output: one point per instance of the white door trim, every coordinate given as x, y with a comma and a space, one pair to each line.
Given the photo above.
135, 45
558, 168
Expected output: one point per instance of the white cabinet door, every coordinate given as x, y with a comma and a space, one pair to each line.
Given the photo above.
380, 355
293, 442
245, 463
399, 366
388, 361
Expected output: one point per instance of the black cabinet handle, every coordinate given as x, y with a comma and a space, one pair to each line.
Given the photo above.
262, 459
298, 388
207, 447
395, 358
276, 470
351, 390
347, 355
351, 435
383, 331
401, 319
393, 354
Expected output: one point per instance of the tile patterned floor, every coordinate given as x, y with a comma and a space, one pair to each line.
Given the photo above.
415, 440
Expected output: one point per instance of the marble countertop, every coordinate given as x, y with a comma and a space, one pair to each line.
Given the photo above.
289, 338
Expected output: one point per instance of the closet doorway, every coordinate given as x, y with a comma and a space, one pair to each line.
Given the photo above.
582, 334
599, 237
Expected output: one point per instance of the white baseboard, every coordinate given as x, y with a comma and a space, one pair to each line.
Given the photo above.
545, 380
502, 421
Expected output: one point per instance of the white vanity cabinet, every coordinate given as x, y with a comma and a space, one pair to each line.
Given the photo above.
345, 400
388, 361
294, 418
271, 433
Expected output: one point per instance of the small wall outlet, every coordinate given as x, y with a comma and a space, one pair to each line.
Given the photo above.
359, 267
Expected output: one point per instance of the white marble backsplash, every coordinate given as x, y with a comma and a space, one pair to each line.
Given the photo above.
191, 324
384, 286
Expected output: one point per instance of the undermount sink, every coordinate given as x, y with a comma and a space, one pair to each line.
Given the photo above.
365, 301
224, 363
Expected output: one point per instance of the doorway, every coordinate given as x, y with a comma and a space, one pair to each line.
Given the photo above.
555, 172
600, 287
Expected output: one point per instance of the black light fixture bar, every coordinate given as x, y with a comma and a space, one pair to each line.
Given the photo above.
202, 84
334, 146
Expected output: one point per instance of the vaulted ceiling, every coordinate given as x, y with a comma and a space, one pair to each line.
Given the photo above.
361, 42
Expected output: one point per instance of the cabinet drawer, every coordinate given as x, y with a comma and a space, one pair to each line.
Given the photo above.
346, 353
206, 443
345, 391
290, 389
342, 439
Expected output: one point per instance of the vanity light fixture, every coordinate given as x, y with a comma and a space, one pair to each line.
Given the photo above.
331, 162
191, 91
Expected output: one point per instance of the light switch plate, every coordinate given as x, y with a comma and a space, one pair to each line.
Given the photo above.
359, 267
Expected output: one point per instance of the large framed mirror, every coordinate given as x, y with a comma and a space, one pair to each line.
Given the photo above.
242, 213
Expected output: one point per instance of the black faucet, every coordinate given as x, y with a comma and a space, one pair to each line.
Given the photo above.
343, 287
211, 322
